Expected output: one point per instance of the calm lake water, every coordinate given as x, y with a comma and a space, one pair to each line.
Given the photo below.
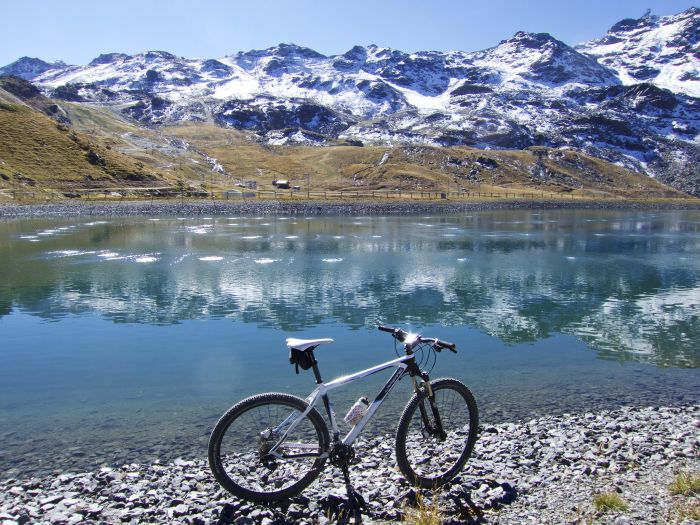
123, 340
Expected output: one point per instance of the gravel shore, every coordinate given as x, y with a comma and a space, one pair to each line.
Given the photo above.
308, 208
547, 470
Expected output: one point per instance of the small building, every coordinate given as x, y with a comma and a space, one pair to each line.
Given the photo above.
281, 184
237, 194
248, 184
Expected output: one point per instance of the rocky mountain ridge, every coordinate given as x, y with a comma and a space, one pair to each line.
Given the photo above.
630, 97
662, 51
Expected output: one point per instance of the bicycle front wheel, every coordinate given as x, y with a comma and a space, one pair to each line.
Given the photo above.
265, 449
425, 457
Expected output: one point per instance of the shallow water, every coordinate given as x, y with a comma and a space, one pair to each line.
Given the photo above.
124, 339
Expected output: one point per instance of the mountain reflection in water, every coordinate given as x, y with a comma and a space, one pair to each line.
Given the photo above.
626, 283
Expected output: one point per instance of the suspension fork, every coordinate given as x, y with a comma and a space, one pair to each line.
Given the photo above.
434, 427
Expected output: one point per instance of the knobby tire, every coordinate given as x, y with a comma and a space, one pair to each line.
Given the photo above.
235, 445
424, 459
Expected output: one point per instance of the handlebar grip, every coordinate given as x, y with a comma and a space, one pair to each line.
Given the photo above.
398, 334
450, 346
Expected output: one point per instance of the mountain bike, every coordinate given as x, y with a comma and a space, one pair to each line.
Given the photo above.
272, 446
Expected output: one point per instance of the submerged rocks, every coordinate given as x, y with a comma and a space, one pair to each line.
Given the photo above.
546, 470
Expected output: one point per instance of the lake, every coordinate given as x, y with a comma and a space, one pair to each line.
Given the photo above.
123, 340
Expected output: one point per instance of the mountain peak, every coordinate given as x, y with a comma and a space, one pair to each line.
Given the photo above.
528, 44
356, 53
289, 50
29, 68
351, 60
277, 58
544, 60
284, 50
108, 58
533, 40
630, 24
155, 55
660, 50
379, 52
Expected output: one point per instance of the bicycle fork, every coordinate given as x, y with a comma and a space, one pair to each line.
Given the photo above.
434, 427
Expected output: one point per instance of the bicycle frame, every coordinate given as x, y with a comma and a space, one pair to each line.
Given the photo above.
321, 393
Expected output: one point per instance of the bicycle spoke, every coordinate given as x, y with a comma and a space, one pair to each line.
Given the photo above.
265, 447
423, 456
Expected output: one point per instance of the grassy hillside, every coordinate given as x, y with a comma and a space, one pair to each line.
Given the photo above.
419, 168
182, 163
36, 151
86, 146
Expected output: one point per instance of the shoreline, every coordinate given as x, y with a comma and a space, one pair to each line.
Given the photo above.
546, 470
215, 208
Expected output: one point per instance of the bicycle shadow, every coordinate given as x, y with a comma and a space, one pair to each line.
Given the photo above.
334, 509
489, 494
340, 510
466, 505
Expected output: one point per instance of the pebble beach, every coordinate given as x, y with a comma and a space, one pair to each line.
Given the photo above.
546, 470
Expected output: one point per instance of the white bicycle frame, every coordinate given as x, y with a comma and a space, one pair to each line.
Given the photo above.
321, 393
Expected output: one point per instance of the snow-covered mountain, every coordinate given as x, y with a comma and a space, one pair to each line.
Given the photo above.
662, 51
29, 68
630, 97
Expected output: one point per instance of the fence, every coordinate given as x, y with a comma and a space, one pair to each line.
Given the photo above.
384, 195
419, 195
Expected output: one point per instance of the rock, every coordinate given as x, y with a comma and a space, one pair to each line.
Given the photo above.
55, 498
497, 477
180, 510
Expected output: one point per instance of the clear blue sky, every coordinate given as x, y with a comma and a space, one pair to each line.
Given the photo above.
76, 31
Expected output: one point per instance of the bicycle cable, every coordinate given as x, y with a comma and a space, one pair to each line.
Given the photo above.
423, 353
432, 353
428, 357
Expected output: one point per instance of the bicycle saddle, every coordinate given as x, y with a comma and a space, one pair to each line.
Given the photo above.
303, 344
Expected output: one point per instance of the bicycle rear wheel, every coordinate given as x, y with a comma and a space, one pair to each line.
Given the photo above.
241, 454
425, 458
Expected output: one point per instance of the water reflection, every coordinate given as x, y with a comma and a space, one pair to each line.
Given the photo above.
626, 284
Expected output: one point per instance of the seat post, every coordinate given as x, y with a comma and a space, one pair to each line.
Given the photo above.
326, 400
314, 366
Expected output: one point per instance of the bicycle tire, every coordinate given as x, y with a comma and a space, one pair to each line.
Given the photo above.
237, 448
424, 459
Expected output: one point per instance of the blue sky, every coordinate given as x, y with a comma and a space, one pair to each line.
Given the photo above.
76, 31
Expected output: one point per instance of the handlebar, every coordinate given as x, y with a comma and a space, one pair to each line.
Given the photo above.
400, 335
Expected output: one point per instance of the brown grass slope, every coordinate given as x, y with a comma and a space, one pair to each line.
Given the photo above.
153, 147
96, 147
421, 168
36, 151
